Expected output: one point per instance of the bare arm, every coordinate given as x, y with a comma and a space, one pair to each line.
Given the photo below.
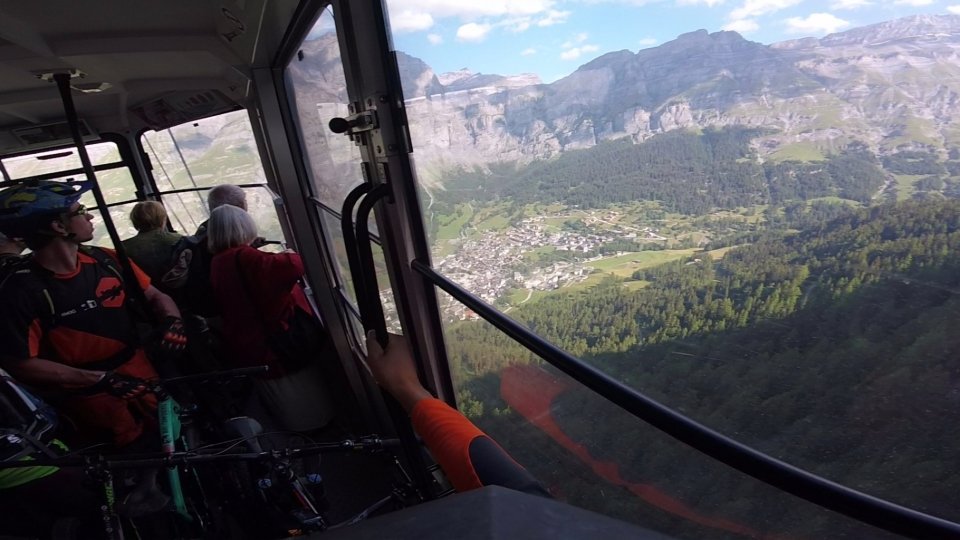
394, 370
161, 304
470, 458
40, 372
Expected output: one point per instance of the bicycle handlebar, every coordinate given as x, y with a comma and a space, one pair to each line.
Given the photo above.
215, 375
365, 444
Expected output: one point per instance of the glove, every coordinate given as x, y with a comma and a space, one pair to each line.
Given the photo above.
121, 386
173, 336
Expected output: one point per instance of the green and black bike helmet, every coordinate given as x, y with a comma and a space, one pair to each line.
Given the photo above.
25, 208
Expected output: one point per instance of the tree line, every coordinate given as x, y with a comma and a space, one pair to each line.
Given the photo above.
833, 348
687, 172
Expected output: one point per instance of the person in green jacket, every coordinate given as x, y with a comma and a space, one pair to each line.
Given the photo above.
153, 246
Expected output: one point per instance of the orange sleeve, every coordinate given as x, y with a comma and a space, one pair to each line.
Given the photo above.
35, 334
448, 435
142, 278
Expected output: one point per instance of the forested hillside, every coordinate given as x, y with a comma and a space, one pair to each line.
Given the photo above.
688, 172
834, 348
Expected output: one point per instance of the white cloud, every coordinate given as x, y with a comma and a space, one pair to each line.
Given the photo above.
435, 39
647, 41
742, 26
850, 4
578, 38
470, 10
954, 9
576, 52
528, 51
708, 3
522, 24
815, 23
554, 17
410, 21
914, 3
754, 8
473, 32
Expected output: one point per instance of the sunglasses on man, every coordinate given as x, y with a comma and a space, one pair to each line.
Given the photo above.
80, 211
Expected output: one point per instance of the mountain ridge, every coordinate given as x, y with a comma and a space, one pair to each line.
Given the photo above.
890, 86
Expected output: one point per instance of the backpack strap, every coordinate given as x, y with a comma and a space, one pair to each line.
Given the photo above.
24, 265
104, 260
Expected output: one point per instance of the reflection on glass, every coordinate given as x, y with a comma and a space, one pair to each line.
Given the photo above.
262, 207
188, 210
618, 466
358, 333
338, 250
206, 153
59, 160
319, 89
212, 151
387, 300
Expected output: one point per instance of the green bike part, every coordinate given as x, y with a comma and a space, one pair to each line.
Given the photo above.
169, 412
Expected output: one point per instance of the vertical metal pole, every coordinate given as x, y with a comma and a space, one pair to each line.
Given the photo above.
63, 84
3, 169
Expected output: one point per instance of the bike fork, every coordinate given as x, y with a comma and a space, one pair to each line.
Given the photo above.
111, 521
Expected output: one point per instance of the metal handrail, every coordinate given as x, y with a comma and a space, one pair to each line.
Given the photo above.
779, 474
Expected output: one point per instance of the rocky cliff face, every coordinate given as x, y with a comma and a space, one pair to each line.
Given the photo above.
892, 85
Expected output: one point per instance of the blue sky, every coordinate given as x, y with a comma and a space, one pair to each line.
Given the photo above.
553, 37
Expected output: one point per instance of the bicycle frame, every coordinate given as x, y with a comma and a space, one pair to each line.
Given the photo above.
168, 411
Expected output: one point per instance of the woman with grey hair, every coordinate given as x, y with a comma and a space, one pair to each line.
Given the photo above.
263, 307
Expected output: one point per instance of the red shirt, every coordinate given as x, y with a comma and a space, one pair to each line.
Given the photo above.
256, 292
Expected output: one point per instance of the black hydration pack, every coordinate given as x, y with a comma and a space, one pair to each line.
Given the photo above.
24, 265
25, 421
188, 279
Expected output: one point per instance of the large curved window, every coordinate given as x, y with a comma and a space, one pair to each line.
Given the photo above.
728, 220
317, 93
63, 164
191, 158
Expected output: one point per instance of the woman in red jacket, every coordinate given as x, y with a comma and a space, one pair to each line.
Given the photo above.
259, 296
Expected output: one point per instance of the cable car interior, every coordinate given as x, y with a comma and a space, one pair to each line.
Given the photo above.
303, 104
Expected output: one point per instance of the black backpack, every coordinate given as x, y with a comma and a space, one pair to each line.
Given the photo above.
23, 419
188, 279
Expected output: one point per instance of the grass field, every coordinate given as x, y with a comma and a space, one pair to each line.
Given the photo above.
626, 265
516, 296
493, 223
803, 151
450, 226
717, 254
636, 285
905, 185
833, 200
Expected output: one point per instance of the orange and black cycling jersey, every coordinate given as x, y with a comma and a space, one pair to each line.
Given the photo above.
74, 318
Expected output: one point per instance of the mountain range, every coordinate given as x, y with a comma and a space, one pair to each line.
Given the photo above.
891, 86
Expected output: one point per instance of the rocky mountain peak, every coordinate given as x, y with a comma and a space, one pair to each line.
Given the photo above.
452, 77
888, 86
916, 27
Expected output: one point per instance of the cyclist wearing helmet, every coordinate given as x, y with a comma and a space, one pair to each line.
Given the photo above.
64, 323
